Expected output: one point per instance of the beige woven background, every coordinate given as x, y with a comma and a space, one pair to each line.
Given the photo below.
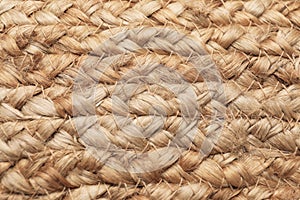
255, 45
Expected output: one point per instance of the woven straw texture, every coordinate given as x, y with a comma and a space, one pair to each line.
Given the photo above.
256, 49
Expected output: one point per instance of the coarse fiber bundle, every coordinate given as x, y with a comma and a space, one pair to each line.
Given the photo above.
150, 99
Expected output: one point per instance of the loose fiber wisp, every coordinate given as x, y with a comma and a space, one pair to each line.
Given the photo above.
146, 99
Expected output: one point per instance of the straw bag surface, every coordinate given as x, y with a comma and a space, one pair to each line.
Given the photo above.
146, 99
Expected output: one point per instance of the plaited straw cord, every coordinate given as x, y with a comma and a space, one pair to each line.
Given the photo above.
256, 48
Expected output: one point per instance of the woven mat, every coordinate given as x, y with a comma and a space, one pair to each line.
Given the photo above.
186, 99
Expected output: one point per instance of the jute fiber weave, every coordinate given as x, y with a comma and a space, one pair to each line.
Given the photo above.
146, 99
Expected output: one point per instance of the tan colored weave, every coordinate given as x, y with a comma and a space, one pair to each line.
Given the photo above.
256, 49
